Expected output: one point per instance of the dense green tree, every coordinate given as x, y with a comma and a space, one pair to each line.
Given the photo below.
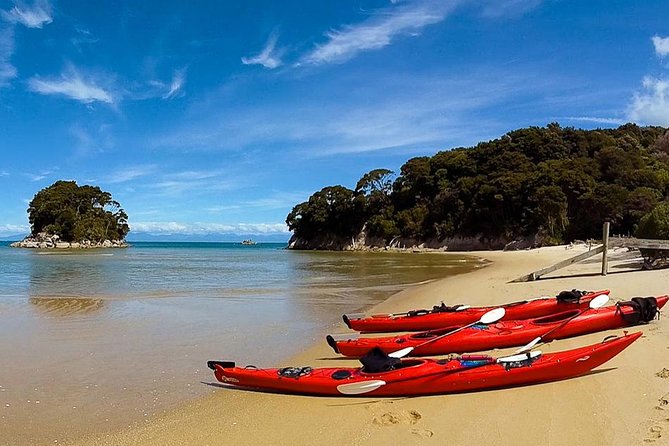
76, 213
655, 224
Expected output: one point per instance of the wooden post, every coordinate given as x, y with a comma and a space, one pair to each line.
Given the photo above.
605, 244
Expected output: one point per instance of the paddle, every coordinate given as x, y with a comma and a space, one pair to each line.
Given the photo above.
360, 387
596, 302
487, 318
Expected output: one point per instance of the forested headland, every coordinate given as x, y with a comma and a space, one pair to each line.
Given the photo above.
533, 186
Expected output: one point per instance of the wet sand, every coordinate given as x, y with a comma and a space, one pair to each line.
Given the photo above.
625, 403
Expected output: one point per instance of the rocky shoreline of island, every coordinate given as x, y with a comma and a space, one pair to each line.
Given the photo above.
52, 241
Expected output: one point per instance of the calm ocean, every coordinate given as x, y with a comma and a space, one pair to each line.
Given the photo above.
101, 338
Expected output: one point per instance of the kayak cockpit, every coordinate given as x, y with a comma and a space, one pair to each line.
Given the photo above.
407, 363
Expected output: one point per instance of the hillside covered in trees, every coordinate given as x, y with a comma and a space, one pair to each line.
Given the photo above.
538, 185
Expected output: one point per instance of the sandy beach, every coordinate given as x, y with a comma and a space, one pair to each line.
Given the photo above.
624, 404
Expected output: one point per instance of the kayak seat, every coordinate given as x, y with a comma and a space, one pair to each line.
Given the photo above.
559, 317
638, 310
376, 360
340, 374
569, 297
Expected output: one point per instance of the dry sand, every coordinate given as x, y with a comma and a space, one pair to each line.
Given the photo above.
626, 404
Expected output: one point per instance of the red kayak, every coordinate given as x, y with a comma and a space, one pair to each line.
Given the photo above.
443, 316
410, 377
509, 333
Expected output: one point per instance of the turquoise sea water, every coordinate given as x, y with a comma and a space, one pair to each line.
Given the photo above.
102, 338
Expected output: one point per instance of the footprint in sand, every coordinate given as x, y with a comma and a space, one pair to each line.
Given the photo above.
425, 433
664, 373
393, 418
655, 434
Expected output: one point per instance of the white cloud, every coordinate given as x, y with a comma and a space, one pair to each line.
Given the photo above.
35, 17
269, 57
430, 111
178, 80
41, 175
7, 70
651, 106
378, 30
508, 8
4, 173
169, 228
614, 121
129, 173
72, 85
661, 45
10, 229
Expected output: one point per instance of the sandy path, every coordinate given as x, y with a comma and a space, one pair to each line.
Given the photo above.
620, 406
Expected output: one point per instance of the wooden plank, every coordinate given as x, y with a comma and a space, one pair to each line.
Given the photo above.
537, 274
638, 243
605, 250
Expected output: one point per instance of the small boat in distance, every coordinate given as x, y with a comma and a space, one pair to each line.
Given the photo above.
248, 242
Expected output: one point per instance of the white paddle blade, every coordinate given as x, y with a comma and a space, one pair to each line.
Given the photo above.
401, 353
463, 307
529, 346
492, 316
361, 387
599, 301
522, 357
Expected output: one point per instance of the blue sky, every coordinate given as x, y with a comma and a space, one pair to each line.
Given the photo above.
214, 118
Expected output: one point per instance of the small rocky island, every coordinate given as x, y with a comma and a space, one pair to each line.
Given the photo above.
67, 216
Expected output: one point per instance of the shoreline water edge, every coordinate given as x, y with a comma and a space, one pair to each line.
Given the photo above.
623, 402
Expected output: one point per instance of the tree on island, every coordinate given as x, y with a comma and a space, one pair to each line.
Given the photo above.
77, 213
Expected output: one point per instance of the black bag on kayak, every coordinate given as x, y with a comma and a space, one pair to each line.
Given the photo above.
376, 360
569, 297
644, 310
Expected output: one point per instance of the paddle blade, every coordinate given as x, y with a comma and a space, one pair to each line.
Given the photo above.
463, 307
523, 357
401, 353
599, 301
529, 346
360, 387
492, 316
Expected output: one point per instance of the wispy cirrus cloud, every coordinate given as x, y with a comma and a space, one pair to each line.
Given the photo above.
378, 30
40, 175
178, 80
7, 70
269, 57
73, 85
34, 16
172, 228
595, 119
661, 45
130, 173
430, 111
507, 8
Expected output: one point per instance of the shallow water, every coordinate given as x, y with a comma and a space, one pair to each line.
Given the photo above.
95, 340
